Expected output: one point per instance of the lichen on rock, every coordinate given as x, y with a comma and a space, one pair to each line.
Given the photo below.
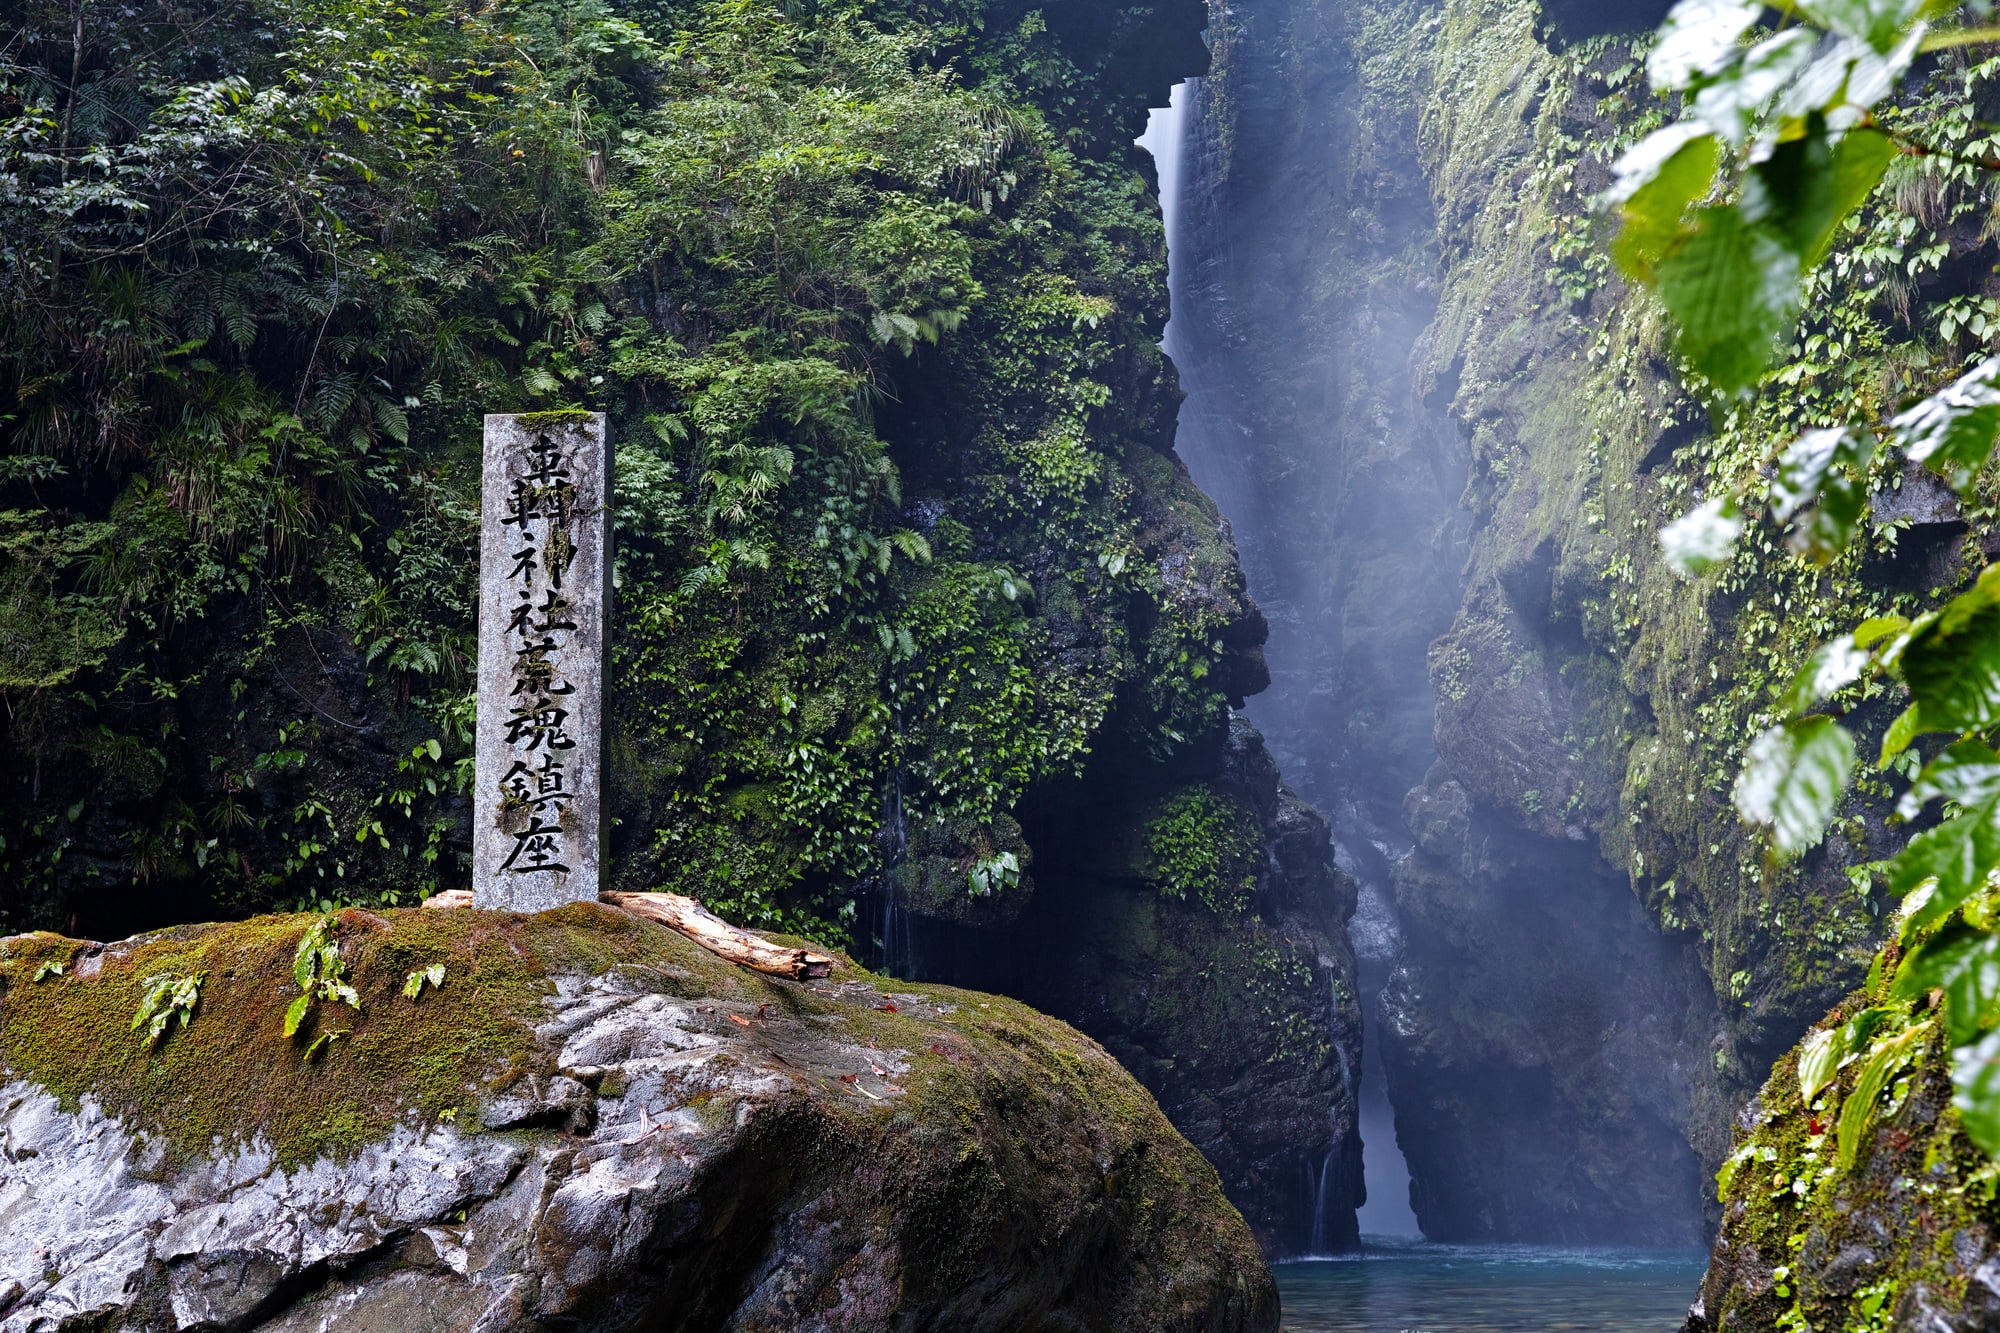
592, 1124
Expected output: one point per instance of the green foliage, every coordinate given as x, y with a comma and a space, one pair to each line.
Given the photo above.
1202, 847
1798, 152
320, 974
420, 977
167, 997
871, 294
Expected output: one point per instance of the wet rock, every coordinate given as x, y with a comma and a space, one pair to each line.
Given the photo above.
668, 1142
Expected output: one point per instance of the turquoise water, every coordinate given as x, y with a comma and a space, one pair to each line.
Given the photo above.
1395, 1286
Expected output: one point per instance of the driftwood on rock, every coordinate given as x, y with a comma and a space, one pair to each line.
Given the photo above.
704, 927
720, 938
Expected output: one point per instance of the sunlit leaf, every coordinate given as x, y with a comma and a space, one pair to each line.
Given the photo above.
1832, 667
1792, 780
1702, 538
1967, 773
1733, 289
1959, 854
1733, 103
1952, 431
1698, 40
1975, 1079
1965, 964
1653, 186
1880, 23
1906, 728
296, 1014
1819, 1061
1951, 661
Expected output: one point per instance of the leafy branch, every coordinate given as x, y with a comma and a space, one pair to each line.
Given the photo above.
1724, 215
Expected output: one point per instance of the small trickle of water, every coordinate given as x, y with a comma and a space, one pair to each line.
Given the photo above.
1318, 1244
1400, 1286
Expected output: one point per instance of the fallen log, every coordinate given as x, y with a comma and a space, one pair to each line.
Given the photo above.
704, 927
720, 938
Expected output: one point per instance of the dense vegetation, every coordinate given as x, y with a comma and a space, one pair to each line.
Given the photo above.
869, 288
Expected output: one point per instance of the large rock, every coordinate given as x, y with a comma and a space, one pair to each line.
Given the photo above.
592, 1125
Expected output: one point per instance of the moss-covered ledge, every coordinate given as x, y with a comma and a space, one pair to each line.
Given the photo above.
1906, 1235
590, 1121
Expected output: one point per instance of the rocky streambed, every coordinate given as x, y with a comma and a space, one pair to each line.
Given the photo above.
591, 1124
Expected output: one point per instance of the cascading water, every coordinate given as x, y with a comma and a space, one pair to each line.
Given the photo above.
1204, 442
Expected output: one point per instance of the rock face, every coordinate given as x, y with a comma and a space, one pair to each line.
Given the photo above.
1346, 174
1242, 1017
1906, 1237
592, 1125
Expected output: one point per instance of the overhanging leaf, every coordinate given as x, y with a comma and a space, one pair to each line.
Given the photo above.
1698, 40
1702, 538
1792, 780
1906, 728
1952, 659
1958, 854
1965, 964
1952, 431
1733, 289
1975, 1080
1653, 186
1967, 773
1832, 667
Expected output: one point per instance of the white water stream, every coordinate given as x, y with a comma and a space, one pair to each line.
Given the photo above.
1204, 446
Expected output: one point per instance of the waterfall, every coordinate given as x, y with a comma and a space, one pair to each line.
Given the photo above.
1209, 441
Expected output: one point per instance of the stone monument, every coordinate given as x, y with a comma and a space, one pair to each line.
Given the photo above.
544, 554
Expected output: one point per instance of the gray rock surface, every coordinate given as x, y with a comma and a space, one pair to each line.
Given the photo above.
769, 1156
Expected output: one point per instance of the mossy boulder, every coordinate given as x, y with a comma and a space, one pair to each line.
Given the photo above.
592, 1124
1905, 1236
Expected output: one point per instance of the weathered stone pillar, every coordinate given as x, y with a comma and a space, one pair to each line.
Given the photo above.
544, 574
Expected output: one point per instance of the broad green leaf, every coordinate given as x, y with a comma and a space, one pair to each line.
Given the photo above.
1819, 1061
1965, 964
1698, 40
1906, 728
1702, 538
1975, 1079
1803, 466
296, 1014
1876, 628
1828, 528
1737, 99
1958, 854
1952, 431
1880, 23
1832, 667
1967, 773
1810, 183
1653, 186
1860, 159
1857, 1113
1792, 780
1952, 661
1733, 289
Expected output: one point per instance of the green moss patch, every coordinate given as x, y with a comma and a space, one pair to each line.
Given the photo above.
231, 1073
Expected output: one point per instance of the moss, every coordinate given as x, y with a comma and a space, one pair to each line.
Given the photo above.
231, 1073
1808, 1244
562, 416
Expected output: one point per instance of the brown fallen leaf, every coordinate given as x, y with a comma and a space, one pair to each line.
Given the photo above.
888, 1008
850, 1078
739, 1020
